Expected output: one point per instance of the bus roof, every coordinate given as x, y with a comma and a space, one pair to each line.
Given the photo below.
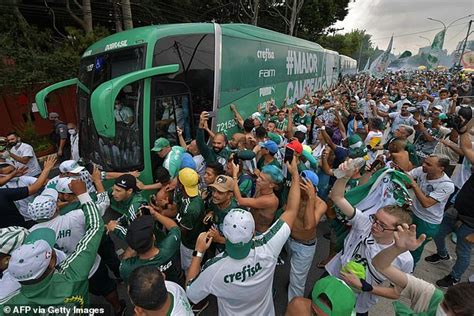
151, 33
145, 34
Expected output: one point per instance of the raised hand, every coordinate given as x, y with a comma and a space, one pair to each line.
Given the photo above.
49, 163
405, 237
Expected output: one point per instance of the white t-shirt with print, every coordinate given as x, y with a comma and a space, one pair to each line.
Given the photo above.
438, 189
361, 247
181, 306
71, 227
25, 150
243, 287
398, 119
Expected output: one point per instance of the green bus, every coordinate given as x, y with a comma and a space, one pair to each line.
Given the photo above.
138, 85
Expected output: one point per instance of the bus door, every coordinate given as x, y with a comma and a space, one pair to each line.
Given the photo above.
171, 109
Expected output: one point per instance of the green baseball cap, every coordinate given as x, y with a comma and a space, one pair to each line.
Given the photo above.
275, 137
356, 146
160, 143
341, 296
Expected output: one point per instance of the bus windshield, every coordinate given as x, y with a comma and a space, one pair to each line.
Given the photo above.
123, 152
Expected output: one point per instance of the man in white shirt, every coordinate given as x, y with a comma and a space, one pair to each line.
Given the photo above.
7, 168
242, 276
24, 155
69, 230
368, 236
404, 117
152, 295
432, 188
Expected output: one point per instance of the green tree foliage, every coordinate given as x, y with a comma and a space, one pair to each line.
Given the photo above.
355, 44
31, 55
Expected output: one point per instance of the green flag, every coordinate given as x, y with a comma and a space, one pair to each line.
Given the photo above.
436, 48
438, 41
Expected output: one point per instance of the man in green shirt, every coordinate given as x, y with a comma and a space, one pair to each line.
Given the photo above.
219, 151
171, 155
141, 238
190, 213
222, 202
267, 152
281, 123
301, 117
126, 200
34, 264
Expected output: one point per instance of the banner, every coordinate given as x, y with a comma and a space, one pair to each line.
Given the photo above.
436, 48
381, 63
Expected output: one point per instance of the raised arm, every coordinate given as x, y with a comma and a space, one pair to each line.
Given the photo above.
293, 204
237, 116
466, 144
339, 188
43, 177
182, 142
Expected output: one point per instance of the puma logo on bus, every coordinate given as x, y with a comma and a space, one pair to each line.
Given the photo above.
265, 54
266, 91
116, 45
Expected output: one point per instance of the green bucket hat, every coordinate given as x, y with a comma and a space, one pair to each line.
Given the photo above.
341, 296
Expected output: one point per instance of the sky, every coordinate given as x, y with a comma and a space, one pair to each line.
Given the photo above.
382, 18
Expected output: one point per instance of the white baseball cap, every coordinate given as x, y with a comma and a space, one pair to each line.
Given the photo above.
238, 229
62, 186
43, 206
302, 128
70, 166
302, 106
30, 261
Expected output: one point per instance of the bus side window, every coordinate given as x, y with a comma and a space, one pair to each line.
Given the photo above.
165, 121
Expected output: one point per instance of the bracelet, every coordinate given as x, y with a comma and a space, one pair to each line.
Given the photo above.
198, 254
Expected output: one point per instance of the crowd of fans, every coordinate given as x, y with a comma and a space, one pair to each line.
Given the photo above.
386, 163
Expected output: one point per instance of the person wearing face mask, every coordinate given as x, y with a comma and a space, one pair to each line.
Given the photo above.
74, 139
401, 101
23, 155
122, 113
425, 298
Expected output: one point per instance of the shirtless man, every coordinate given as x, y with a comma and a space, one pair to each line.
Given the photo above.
265, 203
302, 242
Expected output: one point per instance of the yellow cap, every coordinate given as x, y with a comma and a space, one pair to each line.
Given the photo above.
189, 179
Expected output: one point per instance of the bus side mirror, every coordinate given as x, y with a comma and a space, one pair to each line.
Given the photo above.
41, 96
103, 98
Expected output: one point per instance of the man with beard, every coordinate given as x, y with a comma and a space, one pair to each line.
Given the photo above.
23, 154
219, 151
404, 117
222, 202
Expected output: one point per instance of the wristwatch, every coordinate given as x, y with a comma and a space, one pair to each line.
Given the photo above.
197, 254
